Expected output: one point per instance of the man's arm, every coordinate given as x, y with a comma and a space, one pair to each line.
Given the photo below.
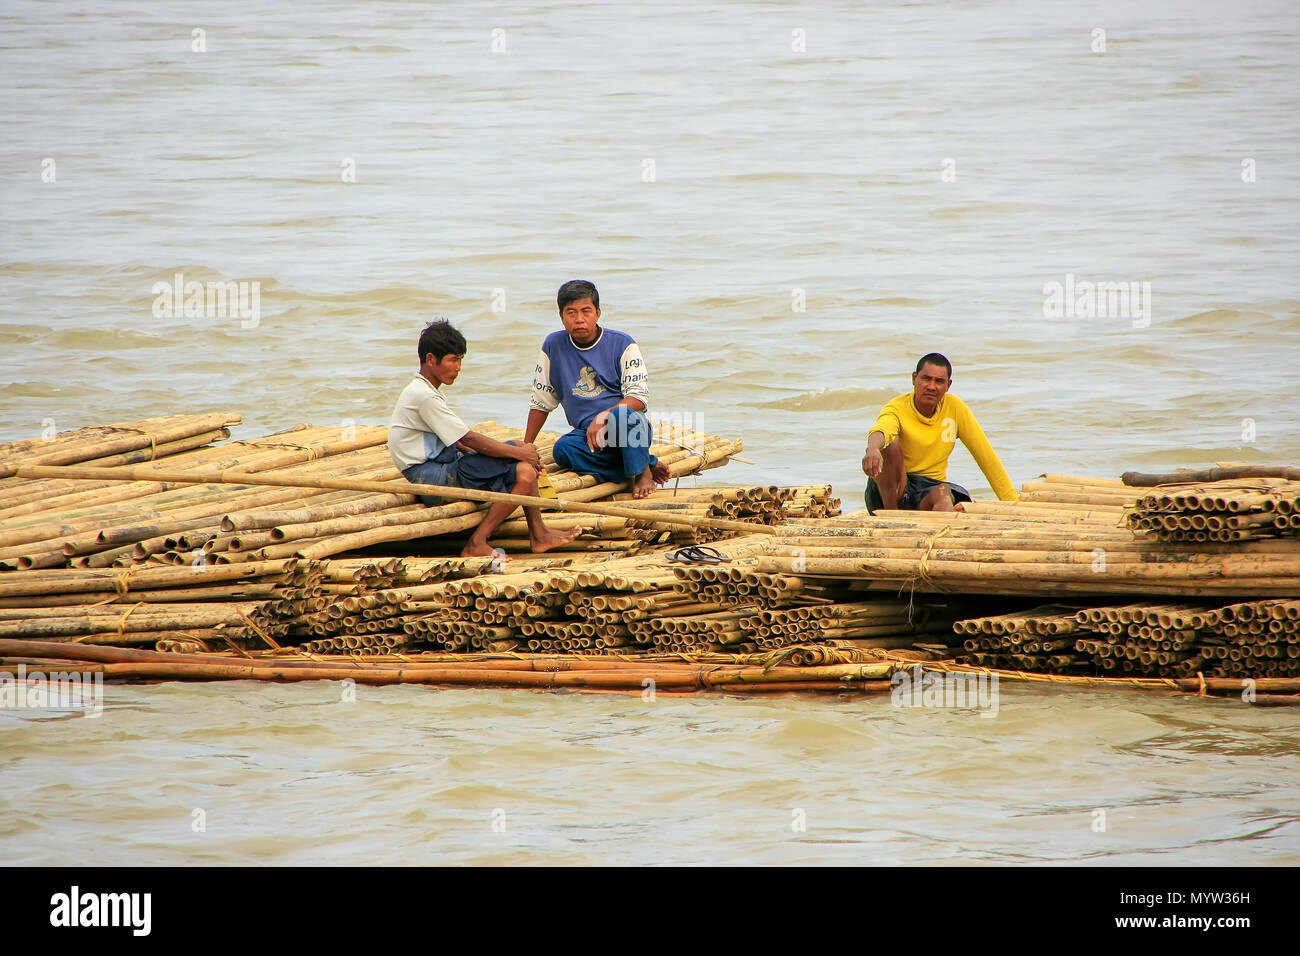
597, 426
527, 452
536, 419
634, 382
977, 443
886, 429
544, 399
873, 460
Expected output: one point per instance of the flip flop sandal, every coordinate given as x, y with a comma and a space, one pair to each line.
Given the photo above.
698, 554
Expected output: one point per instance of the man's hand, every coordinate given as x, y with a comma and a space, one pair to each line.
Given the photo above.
596, 431
527, 453
872, 462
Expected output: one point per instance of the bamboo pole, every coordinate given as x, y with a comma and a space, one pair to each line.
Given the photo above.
135, 473
131, 436
1139, 479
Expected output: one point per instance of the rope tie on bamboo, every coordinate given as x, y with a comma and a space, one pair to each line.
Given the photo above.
121, 624
153, 442
921, 571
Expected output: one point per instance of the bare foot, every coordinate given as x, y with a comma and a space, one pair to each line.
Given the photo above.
553, 539
644, 484
660, 472
477, 549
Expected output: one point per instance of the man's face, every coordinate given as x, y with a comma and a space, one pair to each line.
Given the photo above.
580, 318
446, 370
930, 384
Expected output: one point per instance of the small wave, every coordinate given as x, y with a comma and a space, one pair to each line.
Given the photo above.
833, 400
29, 390
978, 209
21, 334
207, 157
777, 176
39, 268
108, 339
377, 48
899, 300
733, 302
1229, 320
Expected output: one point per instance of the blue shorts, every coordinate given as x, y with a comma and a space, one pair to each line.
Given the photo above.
466, 470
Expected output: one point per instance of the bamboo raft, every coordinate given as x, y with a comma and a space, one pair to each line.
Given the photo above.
199, 558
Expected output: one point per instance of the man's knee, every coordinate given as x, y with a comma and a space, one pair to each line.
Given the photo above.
524, 472
938, 498
560, 451
627, 428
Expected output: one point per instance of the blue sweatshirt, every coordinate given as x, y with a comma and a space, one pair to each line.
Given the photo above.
586, 381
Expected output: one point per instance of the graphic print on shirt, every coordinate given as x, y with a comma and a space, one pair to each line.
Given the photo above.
587, 386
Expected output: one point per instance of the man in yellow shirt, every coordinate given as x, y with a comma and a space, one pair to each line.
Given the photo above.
908, 448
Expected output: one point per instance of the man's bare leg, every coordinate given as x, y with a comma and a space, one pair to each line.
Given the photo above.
540, 537
939, 498
477, 546
892, 480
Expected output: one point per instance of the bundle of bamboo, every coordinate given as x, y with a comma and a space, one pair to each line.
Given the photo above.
316, 502
1250, 639
1237, 510
256, 567
255, 608
125, 523
1016, 548
767, 505
218, 606
573, 673
107, 446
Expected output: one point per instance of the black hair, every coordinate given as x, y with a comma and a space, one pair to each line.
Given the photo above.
576, 289
440, 339
934, 358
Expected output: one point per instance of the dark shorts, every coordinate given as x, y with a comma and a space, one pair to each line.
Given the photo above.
918, 486
475, 470
470, 470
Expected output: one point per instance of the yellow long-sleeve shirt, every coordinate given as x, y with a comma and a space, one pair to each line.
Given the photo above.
928, 442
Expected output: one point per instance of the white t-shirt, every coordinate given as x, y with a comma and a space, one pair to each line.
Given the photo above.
423, 425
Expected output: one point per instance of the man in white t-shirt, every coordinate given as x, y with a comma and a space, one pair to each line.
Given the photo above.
430, 445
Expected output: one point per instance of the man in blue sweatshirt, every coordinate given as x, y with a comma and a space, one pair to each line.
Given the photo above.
599, 377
